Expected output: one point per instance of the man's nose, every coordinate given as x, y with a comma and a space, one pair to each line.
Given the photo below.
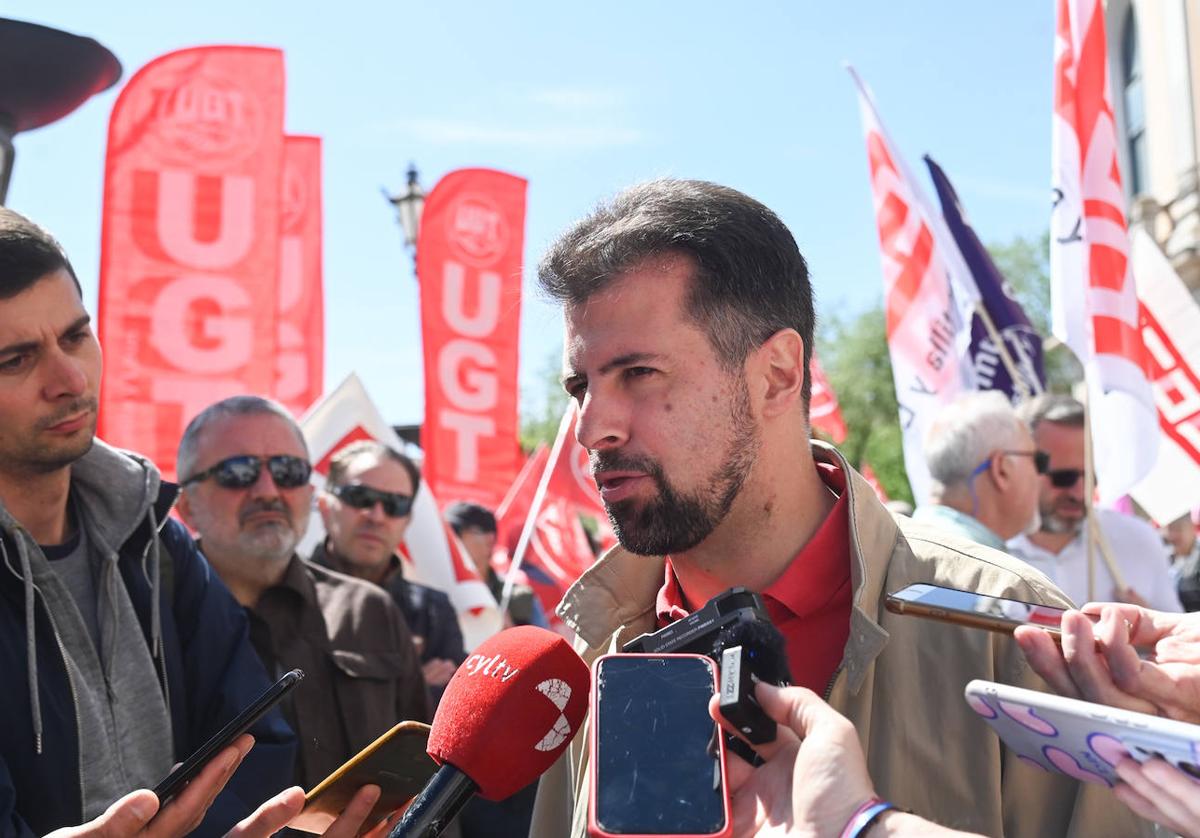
603, 422
264, 486
64, 376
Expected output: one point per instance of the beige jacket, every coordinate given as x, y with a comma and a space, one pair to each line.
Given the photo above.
900, 682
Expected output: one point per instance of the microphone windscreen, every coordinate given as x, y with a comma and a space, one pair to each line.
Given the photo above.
511, 709
765, 645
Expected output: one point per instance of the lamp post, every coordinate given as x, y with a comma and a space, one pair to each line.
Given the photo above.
408, 206
44, 75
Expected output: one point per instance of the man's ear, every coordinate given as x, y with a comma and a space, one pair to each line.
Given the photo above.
779, 366
183, 505
323, 504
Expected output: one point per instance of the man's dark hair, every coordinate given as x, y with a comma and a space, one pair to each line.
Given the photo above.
750, 279
1051, 407
465, 515
27, 253
343, 457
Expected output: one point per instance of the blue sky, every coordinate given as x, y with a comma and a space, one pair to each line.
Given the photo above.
581, 101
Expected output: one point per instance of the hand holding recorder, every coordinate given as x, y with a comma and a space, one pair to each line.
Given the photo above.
813, 780
1100, 663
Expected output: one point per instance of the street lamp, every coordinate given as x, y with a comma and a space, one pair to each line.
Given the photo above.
44, 75
408, 207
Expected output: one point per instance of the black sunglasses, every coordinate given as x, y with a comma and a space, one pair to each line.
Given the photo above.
287, 471
1041, 460
1064, 478
359, 496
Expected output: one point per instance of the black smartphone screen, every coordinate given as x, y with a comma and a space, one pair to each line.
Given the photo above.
174, 782
657, 760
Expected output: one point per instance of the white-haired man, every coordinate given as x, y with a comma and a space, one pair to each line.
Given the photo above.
984, 471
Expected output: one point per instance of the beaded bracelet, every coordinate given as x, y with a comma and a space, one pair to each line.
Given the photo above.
864, 816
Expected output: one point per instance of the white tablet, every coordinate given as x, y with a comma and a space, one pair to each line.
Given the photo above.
1078, 738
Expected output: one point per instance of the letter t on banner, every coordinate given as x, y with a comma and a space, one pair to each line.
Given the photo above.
469, 267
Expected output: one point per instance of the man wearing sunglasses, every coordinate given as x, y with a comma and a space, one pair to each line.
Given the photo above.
366, 508
984, 471
1059, 547
120, 652
245, 471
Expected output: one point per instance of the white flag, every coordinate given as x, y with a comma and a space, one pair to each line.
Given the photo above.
929, 295
1093, 299
1170, 321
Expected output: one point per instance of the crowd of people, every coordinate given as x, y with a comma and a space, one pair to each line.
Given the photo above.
689, 322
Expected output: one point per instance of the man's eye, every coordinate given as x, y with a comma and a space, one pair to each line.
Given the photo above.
577, 390
13, 364
638, 372
76, 337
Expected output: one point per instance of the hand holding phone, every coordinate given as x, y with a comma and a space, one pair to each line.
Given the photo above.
658, 761
174, 782
967, 608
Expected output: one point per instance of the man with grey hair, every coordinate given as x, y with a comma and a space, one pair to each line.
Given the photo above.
1060, 547
245, 473
984, 471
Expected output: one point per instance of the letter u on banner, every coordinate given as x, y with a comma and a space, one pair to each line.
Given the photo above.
469, 266
190, 242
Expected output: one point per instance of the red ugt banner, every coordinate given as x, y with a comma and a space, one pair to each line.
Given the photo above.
469, 266
190, 242
300, 362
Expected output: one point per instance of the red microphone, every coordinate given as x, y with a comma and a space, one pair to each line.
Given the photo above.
508, 713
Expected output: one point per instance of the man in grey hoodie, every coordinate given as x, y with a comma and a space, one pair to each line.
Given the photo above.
120, 650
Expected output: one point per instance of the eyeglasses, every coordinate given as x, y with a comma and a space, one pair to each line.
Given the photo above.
287, 471
1041, 461
359, 496
1064, 478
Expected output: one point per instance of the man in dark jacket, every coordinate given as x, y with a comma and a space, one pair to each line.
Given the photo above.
244, 468
120, 650
366, 508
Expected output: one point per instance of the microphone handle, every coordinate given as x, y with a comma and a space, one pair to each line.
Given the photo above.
431, 811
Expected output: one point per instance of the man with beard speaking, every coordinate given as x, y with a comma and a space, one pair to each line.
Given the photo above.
689, 331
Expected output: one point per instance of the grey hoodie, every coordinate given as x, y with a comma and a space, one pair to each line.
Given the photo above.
123, 723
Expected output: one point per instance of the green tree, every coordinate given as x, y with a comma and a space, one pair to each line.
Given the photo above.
854, 355
542, 409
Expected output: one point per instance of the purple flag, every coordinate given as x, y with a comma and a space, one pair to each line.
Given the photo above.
1023, 342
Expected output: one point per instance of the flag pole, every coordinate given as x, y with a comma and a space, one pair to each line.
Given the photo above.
1094, 535
989, 325
535, 508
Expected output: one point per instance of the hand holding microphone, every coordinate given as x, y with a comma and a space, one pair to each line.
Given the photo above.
507, 715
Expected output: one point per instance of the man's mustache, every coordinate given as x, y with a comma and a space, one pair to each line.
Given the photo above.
254, 507
74, 408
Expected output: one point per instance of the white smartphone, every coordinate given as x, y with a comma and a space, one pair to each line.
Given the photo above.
1078, 738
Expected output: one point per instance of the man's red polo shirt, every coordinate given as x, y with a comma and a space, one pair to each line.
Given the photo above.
810, 603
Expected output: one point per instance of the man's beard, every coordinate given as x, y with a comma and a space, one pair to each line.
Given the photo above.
1057, 525
676, 521
273, 541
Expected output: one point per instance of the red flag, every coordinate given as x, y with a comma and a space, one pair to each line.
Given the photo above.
823, 411
348, 414
469, 266
557, 554
1093, 299
300, 363
190, 242
511, 514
